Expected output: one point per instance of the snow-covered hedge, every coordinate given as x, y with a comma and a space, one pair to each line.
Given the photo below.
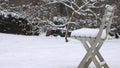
11, 22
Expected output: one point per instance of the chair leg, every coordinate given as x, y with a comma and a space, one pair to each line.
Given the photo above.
85, 64
101, 59
91, 57
88, 63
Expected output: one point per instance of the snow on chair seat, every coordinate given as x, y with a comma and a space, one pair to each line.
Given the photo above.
88, 32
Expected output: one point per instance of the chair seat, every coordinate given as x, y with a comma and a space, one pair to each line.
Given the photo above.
87, 32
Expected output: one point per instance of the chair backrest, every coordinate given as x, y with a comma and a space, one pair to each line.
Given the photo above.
106, 20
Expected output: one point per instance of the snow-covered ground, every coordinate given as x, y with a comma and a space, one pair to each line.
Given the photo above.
17, 51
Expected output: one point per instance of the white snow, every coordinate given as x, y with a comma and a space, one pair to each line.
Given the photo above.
17, 51
88, 32
109, 12
6, 13
109, 7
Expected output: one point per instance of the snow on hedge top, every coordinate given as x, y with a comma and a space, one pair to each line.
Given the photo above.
87, 32
13, 14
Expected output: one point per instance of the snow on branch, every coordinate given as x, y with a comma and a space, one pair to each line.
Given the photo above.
73, 6
64, 2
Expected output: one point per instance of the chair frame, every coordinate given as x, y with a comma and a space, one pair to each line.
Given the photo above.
93, 44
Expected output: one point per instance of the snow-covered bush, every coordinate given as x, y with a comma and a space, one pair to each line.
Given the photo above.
12, 23
58, 20
33, 14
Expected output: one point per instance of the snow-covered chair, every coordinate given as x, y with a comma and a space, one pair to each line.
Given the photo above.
92, 39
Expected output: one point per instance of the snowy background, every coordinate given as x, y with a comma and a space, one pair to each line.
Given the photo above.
40, 16
18, 51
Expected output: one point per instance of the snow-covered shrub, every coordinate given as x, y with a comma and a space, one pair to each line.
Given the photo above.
57, 27
57, 32
13, 23
32, 13
58, 20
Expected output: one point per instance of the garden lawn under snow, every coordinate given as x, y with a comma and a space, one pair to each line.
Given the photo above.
17, 51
